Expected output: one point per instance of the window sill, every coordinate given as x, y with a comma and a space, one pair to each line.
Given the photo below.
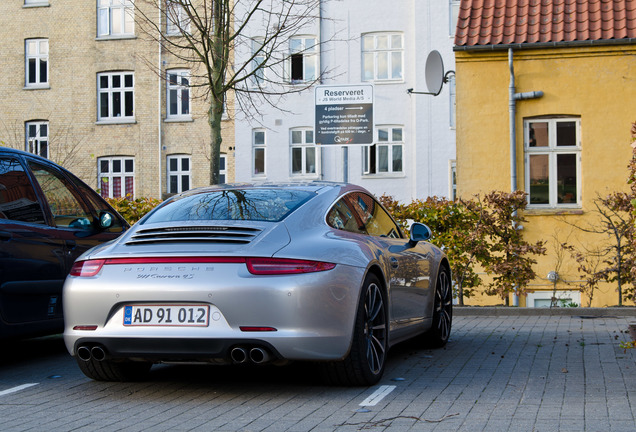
115, 37
36, 5
381, 82
37, 87
554, 211
115, 121
383, 176
178, 119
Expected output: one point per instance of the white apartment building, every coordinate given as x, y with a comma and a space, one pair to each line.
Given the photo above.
381, 43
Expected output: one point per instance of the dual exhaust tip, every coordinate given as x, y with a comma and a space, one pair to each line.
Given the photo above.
256, 355
86, 353
239, 355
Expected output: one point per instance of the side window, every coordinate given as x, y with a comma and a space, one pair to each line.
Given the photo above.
18, 200
343, 218
375, 220
67, 207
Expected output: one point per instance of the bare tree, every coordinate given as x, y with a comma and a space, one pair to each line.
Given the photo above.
207, 35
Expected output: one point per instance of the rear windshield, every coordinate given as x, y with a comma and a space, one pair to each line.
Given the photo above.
271, 205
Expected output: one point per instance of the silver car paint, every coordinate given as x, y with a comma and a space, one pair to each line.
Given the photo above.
313, 313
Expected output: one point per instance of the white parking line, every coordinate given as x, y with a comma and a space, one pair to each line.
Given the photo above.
377, 395
17, 389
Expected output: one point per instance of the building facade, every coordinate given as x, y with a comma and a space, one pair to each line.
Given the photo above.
354, 42
572, 66
82, 85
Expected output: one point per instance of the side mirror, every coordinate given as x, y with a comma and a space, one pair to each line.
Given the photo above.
105, 220
419, 232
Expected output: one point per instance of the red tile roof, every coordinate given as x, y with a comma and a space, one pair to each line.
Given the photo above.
515, 22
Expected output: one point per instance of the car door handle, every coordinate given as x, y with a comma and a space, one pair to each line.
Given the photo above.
70, 244
394, 262
5, 236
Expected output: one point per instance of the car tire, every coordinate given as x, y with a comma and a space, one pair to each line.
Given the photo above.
364, 365
437, 336
107, 370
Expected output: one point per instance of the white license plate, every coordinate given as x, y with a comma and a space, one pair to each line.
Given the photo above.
167, 315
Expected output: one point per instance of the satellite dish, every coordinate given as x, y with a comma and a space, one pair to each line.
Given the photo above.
434, 72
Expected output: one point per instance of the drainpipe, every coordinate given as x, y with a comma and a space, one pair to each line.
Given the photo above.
512, 108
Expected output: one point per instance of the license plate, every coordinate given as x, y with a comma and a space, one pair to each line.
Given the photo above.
167, 315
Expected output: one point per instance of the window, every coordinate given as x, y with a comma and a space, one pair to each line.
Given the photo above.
178, 98
115, 18
382, 57
37, 62
258, 77
222, 168
553, 166
454, 15
304, 159
303, 59
385, 156
361, 214
116, 177
179, 173
177, 20
67, 207
452, 180
37, 138
258, 149
18, 200
116, 96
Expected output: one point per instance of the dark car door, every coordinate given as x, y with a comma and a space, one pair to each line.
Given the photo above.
45, 224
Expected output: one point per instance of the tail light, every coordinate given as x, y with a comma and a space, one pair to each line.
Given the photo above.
256, 266
87, 268
277, 266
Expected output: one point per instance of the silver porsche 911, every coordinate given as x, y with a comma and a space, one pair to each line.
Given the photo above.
256, 274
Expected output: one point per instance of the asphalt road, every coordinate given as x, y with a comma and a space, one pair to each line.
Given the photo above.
498, 373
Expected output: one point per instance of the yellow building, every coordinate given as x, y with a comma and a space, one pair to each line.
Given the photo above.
83, 86
574, 73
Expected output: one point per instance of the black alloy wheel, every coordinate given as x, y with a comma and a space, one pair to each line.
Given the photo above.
440, 330
364, 365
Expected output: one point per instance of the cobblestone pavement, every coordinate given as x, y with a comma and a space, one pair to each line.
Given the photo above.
498, 373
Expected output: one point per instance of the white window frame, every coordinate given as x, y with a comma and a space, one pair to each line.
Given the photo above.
107, 178
307, 48
452, 179
371, 163
552, 151
180, 173
36, 50
112, 13
373, 52
259, 147
111, 93
453, 16
37, 143
222, 168
302, 139
179, 90
257, 80
545, 298
177, 21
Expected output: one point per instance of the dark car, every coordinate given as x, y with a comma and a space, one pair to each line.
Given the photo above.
48, 217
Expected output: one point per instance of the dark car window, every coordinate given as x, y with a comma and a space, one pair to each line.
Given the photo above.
18, 200
343, 218
67, 208
364, 216
270, 205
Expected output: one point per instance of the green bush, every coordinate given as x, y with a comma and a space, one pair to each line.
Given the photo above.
133, 210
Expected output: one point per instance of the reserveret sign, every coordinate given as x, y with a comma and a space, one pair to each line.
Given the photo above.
344, 115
